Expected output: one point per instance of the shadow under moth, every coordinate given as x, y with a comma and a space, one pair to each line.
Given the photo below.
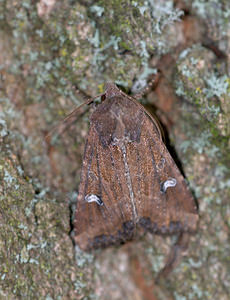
129, 181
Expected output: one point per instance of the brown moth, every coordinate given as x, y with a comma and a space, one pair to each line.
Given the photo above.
129, 180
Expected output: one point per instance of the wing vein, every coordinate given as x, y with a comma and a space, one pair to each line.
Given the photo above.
129, 181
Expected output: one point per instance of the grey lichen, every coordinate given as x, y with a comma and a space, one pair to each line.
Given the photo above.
206, 150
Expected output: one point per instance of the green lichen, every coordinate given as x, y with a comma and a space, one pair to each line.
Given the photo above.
207, 91
32, 249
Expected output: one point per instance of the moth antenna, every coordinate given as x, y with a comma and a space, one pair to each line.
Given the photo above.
70, 118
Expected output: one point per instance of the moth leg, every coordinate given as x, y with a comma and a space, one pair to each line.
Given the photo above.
174, 256
151, 85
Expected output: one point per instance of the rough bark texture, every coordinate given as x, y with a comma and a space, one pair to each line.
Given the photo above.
49, 48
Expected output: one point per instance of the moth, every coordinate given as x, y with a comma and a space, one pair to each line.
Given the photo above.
129, 181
